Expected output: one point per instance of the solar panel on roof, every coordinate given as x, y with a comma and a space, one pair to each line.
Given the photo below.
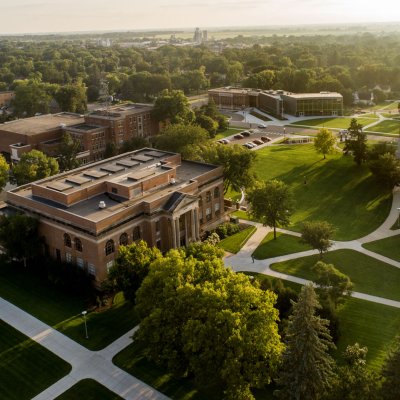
59, 186
78, 180
141, 158
128, 163
112, 168
156, 154
95, 174
136, 176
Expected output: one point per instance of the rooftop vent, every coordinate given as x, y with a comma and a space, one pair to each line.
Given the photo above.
63, 125
158, 164
102, 205
172, 181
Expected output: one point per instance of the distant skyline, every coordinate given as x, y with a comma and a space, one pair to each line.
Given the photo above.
40, 16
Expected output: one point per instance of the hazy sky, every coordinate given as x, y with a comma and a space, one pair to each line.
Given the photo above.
19, 16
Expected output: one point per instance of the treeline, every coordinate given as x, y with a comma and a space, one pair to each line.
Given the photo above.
296, 63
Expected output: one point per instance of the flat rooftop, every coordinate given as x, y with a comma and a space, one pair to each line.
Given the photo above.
121, 110
321, 95
234, 90
85, 127
41, 123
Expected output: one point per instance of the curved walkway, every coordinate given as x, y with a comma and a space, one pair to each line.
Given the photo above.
242, 261
85, 363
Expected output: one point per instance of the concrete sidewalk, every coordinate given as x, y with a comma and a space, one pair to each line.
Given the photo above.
85, 363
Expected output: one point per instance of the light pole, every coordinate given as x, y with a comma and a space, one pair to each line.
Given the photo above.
84, 319
398, 217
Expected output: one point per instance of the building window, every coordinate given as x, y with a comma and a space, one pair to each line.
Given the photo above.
136, 233
114, 190
208, 214
110, 248
216, 192
208, 196
123, 239
80, 263
158, 244
158, 226
217, 207
109, 265
78, 244
91, 269
200, 201
201, 216
68, 257
67, 240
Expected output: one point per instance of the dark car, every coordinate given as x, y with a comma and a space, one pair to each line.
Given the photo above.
258, 142
238, 136
246, 133
265, 139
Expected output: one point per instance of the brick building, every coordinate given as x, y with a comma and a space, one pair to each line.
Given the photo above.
6, 98
113, 125
87, 213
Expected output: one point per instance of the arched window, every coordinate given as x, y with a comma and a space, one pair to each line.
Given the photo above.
67, 240
216, 192
200, 201
110, 247
208, 196
78, 244
136, 233
123, 239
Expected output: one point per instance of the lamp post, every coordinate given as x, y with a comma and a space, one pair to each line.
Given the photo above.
398, 217
84, 319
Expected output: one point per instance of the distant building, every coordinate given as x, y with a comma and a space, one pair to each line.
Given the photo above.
278, 102
6, 98
116, 125
87, 213
200, 36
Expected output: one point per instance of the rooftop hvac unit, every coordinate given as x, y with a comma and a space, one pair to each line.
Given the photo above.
102, 205
172, 181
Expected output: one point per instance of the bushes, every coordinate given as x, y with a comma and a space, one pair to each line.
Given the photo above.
227, 229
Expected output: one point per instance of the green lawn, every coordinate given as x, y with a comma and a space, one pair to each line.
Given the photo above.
63, 310
26, 368
368, 275
338, 122
284, 244
235, 242
228, 132
389, 247
88, 389
389, 126
336, 189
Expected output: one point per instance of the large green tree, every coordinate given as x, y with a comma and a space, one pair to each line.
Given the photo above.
72, 98
307, 369
4, 169
33, 166
271, 202
386, 169
356, 142
202, 319
318, 234
391, 373
19, 237
172, 106
68, 149
325, 142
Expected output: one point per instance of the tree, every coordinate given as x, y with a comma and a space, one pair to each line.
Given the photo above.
272, 203
202, 319
391, 373
307, 368
334, 284
19, 237
4, 169
207, 123
133, 144
236, 161
386, 169
172, 106
33, 166
357, 142
72, 98
355, 381
181, 139
111, 150
131, 267
325, 142
68, 149
318, 235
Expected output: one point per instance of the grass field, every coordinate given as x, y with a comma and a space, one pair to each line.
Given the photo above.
336, 189
63, 310
368, 275
389, 126
338, 122
26, 368
284, 244
228, 132
389, 247
235, 242
88, 389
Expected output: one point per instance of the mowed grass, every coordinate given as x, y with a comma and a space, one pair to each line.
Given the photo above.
235, 242
389, 126
368, 275
88, 389
388, 247
284, 244
63, 310
338, 122
335, 189
26, 368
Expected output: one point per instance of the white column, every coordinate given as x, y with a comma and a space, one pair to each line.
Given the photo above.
196, 223
172, 221
192, 226
186, 229
178, 233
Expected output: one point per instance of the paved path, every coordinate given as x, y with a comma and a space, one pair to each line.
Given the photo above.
85, 363
243, 261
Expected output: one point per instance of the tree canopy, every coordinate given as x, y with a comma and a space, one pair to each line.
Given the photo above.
318, 234
356, 142
325, 142
4, 170
68, 149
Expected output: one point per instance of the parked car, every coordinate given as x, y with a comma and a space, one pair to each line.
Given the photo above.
258, 142
262, 126
225, 141
246, 133
238, 136
265, 139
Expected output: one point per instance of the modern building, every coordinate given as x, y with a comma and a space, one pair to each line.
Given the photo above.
87, 213
115, 125
278, 102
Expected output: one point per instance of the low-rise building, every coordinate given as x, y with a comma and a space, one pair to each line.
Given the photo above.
87, 213
6, 98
